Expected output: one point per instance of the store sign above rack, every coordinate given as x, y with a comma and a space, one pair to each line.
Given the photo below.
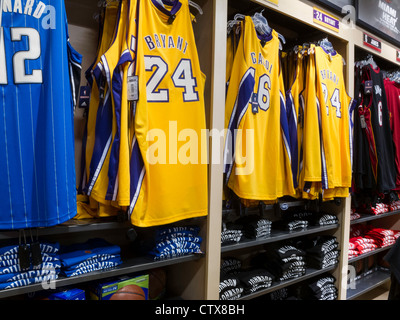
398, 55
372, 42
326, 20
380, 17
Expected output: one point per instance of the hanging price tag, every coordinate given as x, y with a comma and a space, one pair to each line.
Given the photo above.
368, 86
362, 121
254, 103
133, 88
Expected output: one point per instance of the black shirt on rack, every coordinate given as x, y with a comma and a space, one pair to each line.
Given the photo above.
380, 119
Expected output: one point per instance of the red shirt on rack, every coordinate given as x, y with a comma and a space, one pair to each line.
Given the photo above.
393, 100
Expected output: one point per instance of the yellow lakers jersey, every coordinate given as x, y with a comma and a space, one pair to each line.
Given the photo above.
119, 165
110, 18
168, 161
295, 111
88, 207
328, 126
257, 151
106, 122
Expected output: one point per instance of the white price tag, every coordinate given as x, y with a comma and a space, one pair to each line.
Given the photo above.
133, 88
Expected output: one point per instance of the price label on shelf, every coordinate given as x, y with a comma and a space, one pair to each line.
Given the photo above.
326, 20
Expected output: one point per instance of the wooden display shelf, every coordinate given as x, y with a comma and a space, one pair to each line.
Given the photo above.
275, 236
131, 266
371, 253
310, 273
71, 226
370, 217
368, 283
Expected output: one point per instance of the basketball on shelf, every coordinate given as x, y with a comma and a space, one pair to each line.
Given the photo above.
129, 292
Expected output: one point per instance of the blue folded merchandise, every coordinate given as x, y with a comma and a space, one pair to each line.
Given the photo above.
68, 294
12, 275
173, 242
93, 255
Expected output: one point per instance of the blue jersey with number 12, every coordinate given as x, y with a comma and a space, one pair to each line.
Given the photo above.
37, 97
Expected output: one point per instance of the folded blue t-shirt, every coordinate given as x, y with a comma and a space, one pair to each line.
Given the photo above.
27, 281
94, 259
95, 266
11, 277
168, 245
56, 264
76, 253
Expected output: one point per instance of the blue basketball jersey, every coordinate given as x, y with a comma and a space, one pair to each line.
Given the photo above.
38, 81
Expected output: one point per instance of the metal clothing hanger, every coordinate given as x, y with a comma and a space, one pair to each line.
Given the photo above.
327, 45
369, 60
262, 27
236, 20
196, 6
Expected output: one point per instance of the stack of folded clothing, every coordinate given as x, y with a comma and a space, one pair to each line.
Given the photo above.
361, 244
353, 252
303, 219
364, 239
93, 255
394, 206
173, 242
291, 225
255, 279
322, 288
381, 237
284, 262
255, 227
326, 219
230, 287
380, 208
354, 215
375, 208
47, 268
231, 233
322, 252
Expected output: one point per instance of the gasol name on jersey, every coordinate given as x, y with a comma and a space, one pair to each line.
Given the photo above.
34, 8
166, 42
261, 60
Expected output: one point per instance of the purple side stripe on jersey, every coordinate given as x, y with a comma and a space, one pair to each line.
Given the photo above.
137, 172
324, 174
245, 91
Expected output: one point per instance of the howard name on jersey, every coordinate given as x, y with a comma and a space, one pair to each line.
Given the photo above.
32, 8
